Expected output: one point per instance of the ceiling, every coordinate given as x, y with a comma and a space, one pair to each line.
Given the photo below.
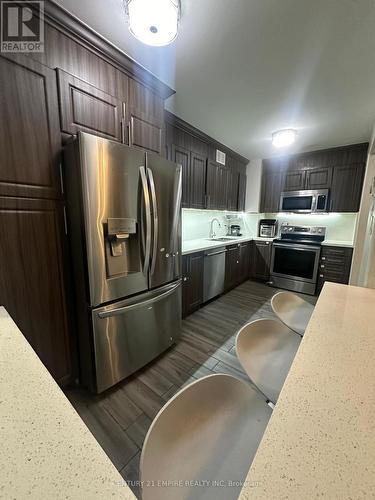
245, 68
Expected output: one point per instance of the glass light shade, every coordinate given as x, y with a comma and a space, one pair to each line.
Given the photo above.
154, 22
283, 138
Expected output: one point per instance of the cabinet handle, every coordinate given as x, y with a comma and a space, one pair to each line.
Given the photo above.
323, 258
267, 242
321, 275
322, 266
185, 278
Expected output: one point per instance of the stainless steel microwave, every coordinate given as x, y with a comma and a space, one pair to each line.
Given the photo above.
304, 201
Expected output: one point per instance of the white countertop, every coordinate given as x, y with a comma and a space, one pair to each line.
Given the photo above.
319, 442
337, 243
191, 246
46, 449
199, 245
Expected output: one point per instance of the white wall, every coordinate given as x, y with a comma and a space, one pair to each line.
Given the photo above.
363, 268
254, 177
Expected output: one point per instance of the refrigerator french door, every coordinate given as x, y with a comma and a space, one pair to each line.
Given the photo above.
124, 217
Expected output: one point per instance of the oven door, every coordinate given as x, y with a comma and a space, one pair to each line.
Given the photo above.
295, 261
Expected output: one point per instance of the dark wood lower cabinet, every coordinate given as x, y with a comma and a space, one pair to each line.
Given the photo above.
335, 264
237, 262
192, 282
261, 260
32, 285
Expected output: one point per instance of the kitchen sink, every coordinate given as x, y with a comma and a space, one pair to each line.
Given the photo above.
221, 239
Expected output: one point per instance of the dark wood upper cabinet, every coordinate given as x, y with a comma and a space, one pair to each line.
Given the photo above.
84, 107
216, 186
146, 118
233, 183
242, 179
192, 282
32, 285
181, 156
341, 170
346, 189
198, 166
294, 180
261, 260
29, 129
272, 181
319, 178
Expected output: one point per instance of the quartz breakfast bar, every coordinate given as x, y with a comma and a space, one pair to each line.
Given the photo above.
320, 440
46, 449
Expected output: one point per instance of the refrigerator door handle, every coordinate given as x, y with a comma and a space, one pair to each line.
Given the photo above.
122, 310
146, 199
155, 219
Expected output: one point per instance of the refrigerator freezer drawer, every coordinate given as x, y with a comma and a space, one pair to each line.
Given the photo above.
131, 333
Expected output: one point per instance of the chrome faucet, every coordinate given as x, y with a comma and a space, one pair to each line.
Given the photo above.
212, 232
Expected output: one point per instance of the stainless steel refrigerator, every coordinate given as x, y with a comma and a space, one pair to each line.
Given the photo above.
124, 223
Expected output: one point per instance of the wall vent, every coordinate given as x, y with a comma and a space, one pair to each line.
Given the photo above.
220, 157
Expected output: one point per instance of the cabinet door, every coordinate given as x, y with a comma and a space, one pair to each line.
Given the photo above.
346, 190
146, 120
232, 261
181, 156
244, 258
192, 278
271, 190
197, 181
222, 188
84, 107
212, 185
29, 130
233, 182
261, 260
32, 285
241, 192
294, 180
319, 178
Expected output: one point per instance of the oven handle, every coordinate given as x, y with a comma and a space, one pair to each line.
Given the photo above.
294, 246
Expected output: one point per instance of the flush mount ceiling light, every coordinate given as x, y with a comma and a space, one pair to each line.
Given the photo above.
153, 22
283, 138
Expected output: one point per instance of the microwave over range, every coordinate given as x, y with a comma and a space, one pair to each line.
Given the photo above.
305, 201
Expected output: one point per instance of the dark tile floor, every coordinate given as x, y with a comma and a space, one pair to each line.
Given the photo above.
119, 418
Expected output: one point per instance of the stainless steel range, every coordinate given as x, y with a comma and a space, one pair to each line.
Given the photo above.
125, 232
295, 258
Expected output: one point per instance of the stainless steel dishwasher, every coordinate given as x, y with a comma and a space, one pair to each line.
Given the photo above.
214, 273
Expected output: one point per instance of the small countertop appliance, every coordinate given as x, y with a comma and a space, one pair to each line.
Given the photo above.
235, 230
267, 228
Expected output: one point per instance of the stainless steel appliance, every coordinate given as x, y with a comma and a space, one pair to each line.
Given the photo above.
305, 201
213, 273
125, 232
267, 228
235, 230
295, 258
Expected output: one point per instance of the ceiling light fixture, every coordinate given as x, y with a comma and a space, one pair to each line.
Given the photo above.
283, 138
153, 22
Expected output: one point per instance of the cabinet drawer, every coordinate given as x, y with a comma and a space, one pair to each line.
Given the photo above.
334, 265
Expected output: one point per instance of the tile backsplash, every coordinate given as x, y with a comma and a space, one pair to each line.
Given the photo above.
196, 223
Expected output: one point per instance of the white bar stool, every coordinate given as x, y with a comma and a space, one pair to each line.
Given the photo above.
266, 349
293, 311
208, 432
